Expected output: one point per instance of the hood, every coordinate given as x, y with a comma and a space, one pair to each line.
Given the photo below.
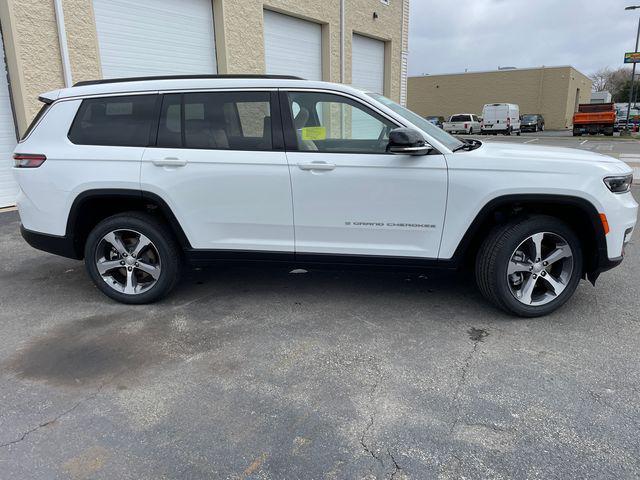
514, 157
523, 153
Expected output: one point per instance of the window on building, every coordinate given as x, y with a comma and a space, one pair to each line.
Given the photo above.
216, 120
119, 121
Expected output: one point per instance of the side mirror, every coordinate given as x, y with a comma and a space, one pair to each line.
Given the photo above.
405, 141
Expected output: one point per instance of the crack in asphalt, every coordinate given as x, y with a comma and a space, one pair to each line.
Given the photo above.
53, 420
477, 335
365, 446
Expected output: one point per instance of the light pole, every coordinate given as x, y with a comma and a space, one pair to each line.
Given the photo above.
633, 70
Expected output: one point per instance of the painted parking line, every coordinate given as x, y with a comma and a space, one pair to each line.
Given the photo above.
532, 140
583, 142
607, 147
633, 160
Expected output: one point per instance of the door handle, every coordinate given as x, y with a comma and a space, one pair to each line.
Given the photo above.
316, 166
169, 162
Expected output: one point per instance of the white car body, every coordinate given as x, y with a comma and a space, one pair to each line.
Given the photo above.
462, 123
500, 118
308, 204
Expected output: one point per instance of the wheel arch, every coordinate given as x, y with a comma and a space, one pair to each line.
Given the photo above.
579, 213
90, 207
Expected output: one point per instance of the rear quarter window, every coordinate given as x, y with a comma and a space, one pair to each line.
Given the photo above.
117, 121
35, 120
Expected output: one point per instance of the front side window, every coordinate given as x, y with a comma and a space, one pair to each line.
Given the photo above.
115, 121
331, 123
216, 120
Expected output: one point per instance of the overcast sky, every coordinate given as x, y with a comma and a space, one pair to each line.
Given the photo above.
449, 36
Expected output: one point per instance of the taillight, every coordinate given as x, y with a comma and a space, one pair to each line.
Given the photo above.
28, 160
466, 125
508, 120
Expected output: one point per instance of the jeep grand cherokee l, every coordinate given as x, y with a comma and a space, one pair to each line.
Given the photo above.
142, 176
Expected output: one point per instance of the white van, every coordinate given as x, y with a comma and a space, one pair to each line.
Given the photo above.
500, 118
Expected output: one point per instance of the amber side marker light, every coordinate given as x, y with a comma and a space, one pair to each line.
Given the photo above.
605, 223
28, 160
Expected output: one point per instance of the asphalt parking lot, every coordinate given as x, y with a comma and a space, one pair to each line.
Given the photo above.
251, 373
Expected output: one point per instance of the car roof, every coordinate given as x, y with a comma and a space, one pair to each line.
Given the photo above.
190, 82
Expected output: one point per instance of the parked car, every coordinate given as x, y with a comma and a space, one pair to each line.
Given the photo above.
532, 123
500, 118
462, 123
142, 177
621, 119
436, 120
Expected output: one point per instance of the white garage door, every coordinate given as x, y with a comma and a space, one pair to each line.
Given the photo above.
8, 186
292, 46
367, 64
155, 37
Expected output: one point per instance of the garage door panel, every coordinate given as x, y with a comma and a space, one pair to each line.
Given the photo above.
152, 37
292, 46
8, 186
367, 64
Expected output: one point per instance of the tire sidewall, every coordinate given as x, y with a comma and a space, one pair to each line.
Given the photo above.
523, 231
163, 243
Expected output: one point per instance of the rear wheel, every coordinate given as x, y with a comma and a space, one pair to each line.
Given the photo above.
529, 267
132, 258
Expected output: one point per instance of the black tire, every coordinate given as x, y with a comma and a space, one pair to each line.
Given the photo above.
508, 131
163, 240
495, 253
471, 131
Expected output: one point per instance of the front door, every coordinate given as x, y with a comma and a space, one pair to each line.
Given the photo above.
350, 196
219, 165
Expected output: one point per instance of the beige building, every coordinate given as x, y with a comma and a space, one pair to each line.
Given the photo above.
49, 44
553, 92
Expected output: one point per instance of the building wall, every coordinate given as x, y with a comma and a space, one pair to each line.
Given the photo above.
33, 53
547, 91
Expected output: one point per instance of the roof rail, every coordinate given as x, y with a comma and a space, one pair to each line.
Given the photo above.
182, 77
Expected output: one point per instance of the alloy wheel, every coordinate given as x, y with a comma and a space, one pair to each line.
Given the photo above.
128, 261
540, 268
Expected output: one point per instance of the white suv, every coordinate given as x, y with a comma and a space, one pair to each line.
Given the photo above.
142, 176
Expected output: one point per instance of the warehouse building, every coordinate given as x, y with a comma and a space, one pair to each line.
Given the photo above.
47, 44
553, 92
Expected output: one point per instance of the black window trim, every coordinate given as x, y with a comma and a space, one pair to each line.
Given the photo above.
277, 142
290, 137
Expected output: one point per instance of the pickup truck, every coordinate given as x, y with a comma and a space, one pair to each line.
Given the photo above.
462, 123
594, 118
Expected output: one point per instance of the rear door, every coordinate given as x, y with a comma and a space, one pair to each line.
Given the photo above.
219, 163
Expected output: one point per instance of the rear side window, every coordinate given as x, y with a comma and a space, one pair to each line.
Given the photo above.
117, 121
216, 121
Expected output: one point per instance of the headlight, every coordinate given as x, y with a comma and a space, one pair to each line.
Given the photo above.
621, 184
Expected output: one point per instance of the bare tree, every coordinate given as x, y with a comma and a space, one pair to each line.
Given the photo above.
600, 79
614, 81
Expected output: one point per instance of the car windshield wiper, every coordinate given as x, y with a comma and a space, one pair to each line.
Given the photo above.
468, 145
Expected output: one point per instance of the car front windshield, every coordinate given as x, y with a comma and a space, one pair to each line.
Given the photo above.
529, 118
427, 127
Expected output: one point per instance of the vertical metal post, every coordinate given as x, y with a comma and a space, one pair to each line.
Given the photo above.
633, 78
62, 40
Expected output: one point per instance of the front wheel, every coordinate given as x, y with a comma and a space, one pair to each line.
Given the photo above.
132, 258
529, 267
